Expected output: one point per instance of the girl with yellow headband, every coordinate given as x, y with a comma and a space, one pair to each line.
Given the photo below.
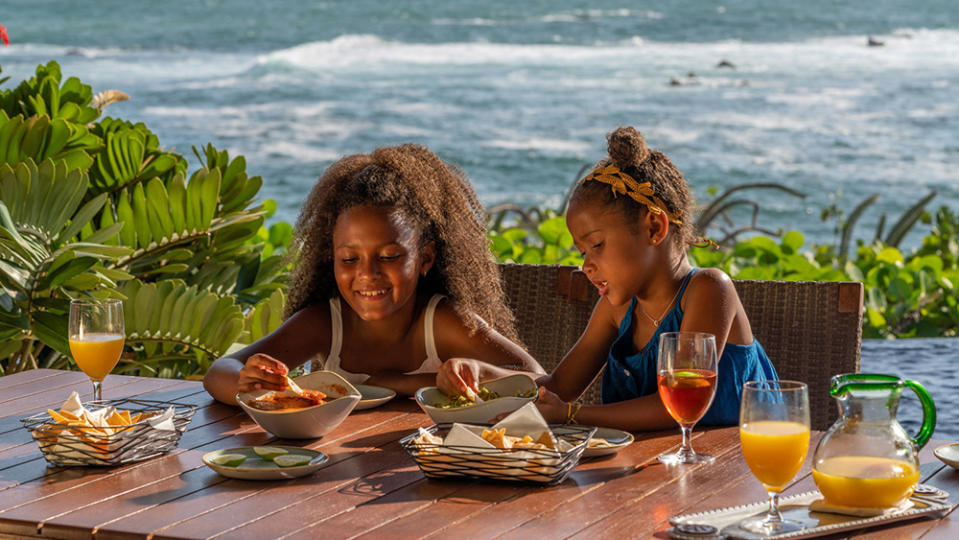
630, 218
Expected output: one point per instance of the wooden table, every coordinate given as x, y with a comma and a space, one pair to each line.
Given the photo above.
370, 488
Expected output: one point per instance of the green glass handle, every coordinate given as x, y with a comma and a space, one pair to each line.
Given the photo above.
840, 384
928, 414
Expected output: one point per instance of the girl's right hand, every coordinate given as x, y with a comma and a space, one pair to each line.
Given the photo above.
262, 372
457, 374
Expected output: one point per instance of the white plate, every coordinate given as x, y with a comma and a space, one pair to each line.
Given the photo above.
617, 440
373, 396
257, 468
949, 454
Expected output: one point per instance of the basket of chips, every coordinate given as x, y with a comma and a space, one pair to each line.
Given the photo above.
520, 448
109, 432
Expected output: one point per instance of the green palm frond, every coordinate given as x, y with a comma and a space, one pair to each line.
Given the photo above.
130, 154
43, 95
39, 138
236, 188
173, 313
265, 317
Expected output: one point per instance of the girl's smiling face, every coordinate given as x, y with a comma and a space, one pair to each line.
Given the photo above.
617, 255
377, 260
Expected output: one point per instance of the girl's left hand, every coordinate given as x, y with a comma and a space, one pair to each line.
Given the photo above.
553, 409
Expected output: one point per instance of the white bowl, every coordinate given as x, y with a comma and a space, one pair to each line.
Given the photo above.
506, 387
949, 454
309, 422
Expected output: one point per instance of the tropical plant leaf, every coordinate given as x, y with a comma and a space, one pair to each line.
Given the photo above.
172, 312
908, 219
851, 223
41, 199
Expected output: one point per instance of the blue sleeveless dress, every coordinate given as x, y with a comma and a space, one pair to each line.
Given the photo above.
631, 375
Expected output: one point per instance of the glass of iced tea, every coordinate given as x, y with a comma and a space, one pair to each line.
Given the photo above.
686, 376
96, 337
774, 433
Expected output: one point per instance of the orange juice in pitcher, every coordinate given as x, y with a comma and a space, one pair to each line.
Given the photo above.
866, 459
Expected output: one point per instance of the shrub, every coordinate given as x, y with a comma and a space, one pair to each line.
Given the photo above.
94, 206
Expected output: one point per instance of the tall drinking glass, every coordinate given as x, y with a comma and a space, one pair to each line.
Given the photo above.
774, 432
686, 376
96, 337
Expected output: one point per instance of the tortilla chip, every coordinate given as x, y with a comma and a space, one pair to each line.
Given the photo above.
547, 440
497, 438
60, 418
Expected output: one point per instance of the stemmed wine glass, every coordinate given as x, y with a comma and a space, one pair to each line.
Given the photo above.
96, 337
686, 376
774, 432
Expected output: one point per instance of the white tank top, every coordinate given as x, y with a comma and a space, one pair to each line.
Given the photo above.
332, 362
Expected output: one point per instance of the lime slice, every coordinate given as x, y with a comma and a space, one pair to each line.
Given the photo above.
268, 453
291, 460
686, 374
228, 460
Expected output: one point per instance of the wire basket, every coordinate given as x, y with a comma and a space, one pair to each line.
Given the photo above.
69, 445
530, 465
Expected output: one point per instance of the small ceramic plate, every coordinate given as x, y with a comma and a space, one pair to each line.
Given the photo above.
373, 396
257, 468
949, 454
615, 438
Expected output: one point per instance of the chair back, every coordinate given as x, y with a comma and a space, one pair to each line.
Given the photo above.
552, 304
811, 330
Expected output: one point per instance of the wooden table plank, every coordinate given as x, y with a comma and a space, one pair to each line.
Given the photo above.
21, 461
350, 463
120, 387
341, 444
31, 382
594, 506
688, 494
589, 475
370, 489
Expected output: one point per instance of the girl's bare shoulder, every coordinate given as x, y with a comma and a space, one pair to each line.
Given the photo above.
312, 323
709, 285
449, 321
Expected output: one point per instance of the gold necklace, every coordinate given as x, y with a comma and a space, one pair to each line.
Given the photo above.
668, 309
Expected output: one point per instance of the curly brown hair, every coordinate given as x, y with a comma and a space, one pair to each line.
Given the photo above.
434, 198
629, 153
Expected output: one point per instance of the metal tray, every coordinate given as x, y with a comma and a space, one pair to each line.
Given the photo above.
723, 522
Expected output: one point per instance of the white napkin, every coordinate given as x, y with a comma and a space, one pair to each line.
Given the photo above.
164, 420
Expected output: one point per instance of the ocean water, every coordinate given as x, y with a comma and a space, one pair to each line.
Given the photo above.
931, 363
521, 94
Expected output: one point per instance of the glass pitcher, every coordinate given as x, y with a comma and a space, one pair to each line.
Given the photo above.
866, 459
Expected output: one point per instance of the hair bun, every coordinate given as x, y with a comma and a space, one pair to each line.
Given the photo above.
627, 148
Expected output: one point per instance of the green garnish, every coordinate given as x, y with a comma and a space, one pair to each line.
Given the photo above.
291, 460
269, 453
456, 402
228, 460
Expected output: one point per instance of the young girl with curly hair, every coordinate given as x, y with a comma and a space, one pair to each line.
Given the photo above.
630, 218
393, 277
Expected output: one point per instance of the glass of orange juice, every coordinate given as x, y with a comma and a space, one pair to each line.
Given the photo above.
774, 433
96, 337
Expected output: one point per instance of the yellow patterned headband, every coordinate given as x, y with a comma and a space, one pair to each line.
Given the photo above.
621, 182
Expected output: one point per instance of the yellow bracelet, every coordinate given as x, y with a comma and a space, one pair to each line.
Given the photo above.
570, 413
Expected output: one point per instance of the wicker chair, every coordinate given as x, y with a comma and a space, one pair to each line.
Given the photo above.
810, 329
